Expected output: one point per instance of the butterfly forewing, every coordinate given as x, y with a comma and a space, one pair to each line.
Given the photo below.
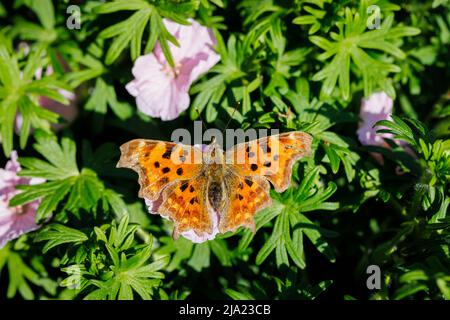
270, 157
159, 163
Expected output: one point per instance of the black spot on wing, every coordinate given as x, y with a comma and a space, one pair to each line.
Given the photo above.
167, 153
165, 170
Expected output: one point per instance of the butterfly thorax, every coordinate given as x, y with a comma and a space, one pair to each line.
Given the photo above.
214, 171
215, 192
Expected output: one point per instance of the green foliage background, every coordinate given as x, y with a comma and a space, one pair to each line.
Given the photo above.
292, 65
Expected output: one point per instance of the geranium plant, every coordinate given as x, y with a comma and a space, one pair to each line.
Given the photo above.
367, 80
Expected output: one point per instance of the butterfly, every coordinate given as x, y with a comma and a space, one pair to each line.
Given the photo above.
206, 190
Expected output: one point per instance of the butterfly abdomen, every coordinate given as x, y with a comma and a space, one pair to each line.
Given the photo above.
215, 195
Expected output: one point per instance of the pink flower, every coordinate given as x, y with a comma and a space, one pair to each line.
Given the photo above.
377, 107
18, 220
162, 91
373, 109
153, 207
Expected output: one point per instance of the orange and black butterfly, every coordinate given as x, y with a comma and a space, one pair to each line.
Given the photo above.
209, 191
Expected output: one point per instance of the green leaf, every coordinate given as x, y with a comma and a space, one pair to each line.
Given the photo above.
236, 295
409, 290
315, 236
349, 46
333, 157
44, 10
290, 224
131, 30
57, 234
86, 192
81, 189
9, 109
221, 251
130, 273
104, 95
21, 275
19, 91
200, 257
51, 199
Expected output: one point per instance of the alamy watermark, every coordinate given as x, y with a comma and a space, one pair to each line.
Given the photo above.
374, 19
213, 141
374, 280
74, 20
73, 281
224, 141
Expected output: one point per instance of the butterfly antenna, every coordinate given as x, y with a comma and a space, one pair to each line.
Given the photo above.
231, 117
201, 119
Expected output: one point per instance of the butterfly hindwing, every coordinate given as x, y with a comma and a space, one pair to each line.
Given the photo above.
184, 203
247, 195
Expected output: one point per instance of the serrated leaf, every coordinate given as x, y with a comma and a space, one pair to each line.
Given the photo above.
57, 234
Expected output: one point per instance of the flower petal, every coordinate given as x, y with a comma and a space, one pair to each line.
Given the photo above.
162, 91
373, 109
15, 221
